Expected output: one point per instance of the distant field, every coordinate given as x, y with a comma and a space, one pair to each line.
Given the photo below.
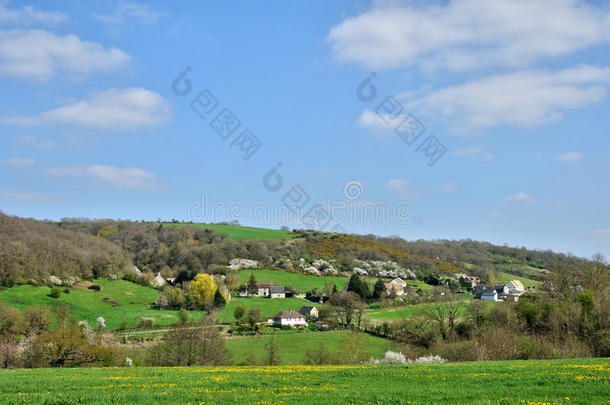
301, 282
293, 347
506, 277
239, 233
575, 381
268, 306
134, 301
394, 314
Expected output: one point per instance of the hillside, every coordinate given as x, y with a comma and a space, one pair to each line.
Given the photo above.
86, 249
35, 250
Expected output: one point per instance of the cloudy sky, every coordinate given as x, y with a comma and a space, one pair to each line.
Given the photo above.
455, 119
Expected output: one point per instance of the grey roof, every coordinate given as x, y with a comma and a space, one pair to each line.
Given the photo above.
306, 310
288, 314
277, 289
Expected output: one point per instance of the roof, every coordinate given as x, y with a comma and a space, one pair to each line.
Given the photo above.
489, 292
276, 289
400, 281
264, 285
288, 314
517, 284
306, 310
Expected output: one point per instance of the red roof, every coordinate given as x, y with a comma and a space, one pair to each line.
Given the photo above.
265, 285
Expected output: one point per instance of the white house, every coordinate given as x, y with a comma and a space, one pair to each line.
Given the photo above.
263, 289
397, 286
277, 291
291, 318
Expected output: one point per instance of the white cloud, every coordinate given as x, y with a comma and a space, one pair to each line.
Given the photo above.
114, 109
130, 13
39, 54
128, 178
36, 143
400, 188
462, 34
28, 15
521, 197
472, 152
20, 163
525, 98
569, 157
370, 119
496, 214
22, 195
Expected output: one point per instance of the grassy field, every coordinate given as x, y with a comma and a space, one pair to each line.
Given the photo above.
300, 282
394, 314
268, 306
575, 381
506, 277
239, 233
133, 299
293, 347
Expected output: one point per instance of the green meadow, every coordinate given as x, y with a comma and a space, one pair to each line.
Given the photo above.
574, 381
239, 233
125, 302
300, 282
292, 348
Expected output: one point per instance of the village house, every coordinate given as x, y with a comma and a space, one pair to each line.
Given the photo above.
263, 289
289, 318
310, 313
515, 287
490, 295
277, 291
397, 286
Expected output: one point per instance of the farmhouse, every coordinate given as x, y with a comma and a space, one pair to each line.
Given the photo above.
263, 289
490, 295
397, 286
289, 318
515, 287
310, 312
277, 291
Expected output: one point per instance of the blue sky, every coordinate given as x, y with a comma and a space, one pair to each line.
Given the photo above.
515, 92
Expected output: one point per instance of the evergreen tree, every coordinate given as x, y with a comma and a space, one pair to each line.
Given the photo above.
251, 286
219, 300
378, 289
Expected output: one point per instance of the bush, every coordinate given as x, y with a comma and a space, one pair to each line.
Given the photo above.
146, 323
428, 360
393, 358
55, 292
459, 351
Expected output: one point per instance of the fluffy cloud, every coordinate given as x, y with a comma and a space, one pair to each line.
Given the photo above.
128, 178
569, 157
130, 13
114, 109
39, 54
521, 197
28, 15
526, 98
20, 163
462, 34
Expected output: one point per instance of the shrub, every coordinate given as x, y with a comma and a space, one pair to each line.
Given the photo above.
146, 322
393, 358
55, 292
459, 351
428, 360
